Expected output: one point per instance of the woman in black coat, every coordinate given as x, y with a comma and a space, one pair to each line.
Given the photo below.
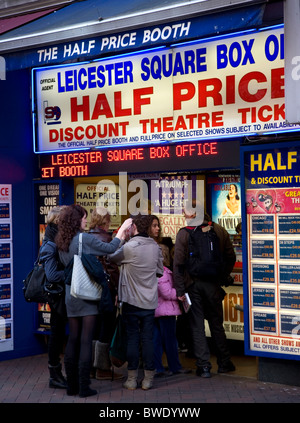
55, 279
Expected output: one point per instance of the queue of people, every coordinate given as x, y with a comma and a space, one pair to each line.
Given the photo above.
149, 280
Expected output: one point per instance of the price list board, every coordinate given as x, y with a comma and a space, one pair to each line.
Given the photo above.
6, 269
272, 194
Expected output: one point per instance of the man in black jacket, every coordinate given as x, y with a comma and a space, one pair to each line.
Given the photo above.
206, 296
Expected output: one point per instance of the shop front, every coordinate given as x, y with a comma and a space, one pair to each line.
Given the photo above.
164, 192
147, 119
271, 182
143, 131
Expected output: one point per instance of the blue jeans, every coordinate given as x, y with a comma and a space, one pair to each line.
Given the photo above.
165, 340
139, 327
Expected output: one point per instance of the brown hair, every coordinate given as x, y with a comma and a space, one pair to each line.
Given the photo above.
68, 225
54, 213
142, 223
153, 217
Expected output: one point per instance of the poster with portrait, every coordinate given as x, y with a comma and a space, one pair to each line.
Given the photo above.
226, 201
225, 191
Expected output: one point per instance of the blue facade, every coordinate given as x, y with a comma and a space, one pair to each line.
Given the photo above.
17, 167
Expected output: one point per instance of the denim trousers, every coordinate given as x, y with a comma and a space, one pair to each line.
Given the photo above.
165, 340
139, 327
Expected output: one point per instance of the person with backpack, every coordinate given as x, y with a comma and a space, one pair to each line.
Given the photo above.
82, 314
55, 275
203, 260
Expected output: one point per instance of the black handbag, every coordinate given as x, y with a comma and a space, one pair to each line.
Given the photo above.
34, 284
118, 346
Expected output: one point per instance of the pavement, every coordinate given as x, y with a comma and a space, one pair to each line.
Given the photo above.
25, 381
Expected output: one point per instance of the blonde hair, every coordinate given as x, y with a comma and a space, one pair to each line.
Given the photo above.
53, 214
100, 217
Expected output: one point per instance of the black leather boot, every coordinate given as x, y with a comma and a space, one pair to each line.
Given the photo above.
84, 380
57, 379
71, 369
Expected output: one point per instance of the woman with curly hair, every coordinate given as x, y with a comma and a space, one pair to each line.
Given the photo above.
82, 314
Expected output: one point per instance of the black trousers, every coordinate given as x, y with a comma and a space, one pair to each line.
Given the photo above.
56, 337
206, 298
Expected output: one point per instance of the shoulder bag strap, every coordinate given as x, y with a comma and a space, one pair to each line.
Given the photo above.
80, 245
37, 261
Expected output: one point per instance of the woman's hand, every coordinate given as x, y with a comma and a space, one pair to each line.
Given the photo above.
122, 231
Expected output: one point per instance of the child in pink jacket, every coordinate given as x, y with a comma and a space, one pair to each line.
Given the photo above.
165, 327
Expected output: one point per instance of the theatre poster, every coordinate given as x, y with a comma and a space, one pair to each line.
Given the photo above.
46, 197
272, 194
